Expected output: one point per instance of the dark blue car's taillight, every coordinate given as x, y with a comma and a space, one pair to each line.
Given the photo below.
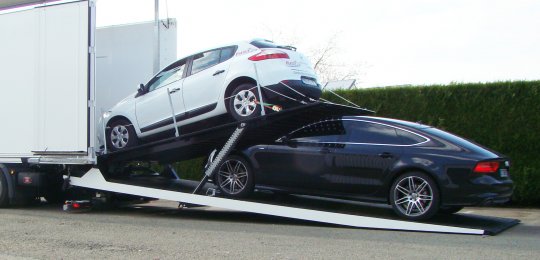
487, 167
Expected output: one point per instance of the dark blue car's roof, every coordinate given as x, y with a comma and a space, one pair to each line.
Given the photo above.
426, 129
391, 121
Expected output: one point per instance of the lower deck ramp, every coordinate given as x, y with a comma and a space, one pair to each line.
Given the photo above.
490, 225
95, 180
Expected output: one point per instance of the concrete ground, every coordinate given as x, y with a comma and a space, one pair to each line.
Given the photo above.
160, 231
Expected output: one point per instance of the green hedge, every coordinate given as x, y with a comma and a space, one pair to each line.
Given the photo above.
504, 116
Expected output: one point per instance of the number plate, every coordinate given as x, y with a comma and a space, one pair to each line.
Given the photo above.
504, 173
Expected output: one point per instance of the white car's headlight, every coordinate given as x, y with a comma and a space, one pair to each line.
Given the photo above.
107, 114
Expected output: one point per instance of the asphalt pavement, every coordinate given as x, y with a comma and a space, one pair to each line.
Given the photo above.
158, 230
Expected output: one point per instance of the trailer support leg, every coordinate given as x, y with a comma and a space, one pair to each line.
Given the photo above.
223, 153
65, 184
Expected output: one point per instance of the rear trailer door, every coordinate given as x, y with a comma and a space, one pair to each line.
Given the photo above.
45, 85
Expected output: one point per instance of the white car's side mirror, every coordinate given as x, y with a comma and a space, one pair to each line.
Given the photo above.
141, 89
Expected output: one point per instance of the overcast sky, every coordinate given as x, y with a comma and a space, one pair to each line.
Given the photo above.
394, 42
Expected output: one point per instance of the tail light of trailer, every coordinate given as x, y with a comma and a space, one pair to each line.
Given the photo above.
487, 167
269, 54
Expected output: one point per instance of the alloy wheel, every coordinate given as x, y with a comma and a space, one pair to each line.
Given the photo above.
413, 196
233, 176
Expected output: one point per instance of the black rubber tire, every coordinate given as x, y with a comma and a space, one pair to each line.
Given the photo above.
248, 88
225, 185
450, 209
131, 141
428, 212
4, 197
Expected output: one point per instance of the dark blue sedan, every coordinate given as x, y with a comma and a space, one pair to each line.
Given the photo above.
418, 169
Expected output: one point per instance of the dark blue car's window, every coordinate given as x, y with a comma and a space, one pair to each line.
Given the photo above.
318, 139
460, 141
409, 138
322, 132
370, 133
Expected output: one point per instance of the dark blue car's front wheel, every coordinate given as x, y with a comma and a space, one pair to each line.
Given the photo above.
415, 196
235, 177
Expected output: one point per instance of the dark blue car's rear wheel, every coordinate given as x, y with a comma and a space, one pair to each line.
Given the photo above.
415, 196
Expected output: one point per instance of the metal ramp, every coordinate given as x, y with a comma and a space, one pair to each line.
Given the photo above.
95, 180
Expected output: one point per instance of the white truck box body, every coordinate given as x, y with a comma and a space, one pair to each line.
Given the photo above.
44, 80
52, 94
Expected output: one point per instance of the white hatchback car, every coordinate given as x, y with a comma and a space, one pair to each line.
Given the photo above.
209, 84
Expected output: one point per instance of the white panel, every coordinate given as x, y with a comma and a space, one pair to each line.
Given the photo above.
43, 80
16, 3
167, 40
19, 61
63, 113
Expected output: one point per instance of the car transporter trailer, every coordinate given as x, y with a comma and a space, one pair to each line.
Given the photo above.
49, 129
227, 137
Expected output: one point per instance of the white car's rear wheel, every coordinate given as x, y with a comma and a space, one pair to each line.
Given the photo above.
244, 103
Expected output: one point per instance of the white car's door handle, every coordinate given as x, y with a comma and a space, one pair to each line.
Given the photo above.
174, 90
218, 72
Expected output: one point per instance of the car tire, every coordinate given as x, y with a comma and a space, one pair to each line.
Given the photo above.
243, 103
415, 196
450, 209
4, 198
234, 178
121, 135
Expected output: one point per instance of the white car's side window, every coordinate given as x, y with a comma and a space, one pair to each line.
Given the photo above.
205, 60
167, 77
227, 53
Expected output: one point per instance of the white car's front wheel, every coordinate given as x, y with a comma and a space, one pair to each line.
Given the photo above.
121, 135
244, 103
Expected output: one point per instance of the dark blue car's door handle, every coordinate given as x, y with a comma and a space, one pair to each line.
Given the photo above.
386, 155
218, 72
